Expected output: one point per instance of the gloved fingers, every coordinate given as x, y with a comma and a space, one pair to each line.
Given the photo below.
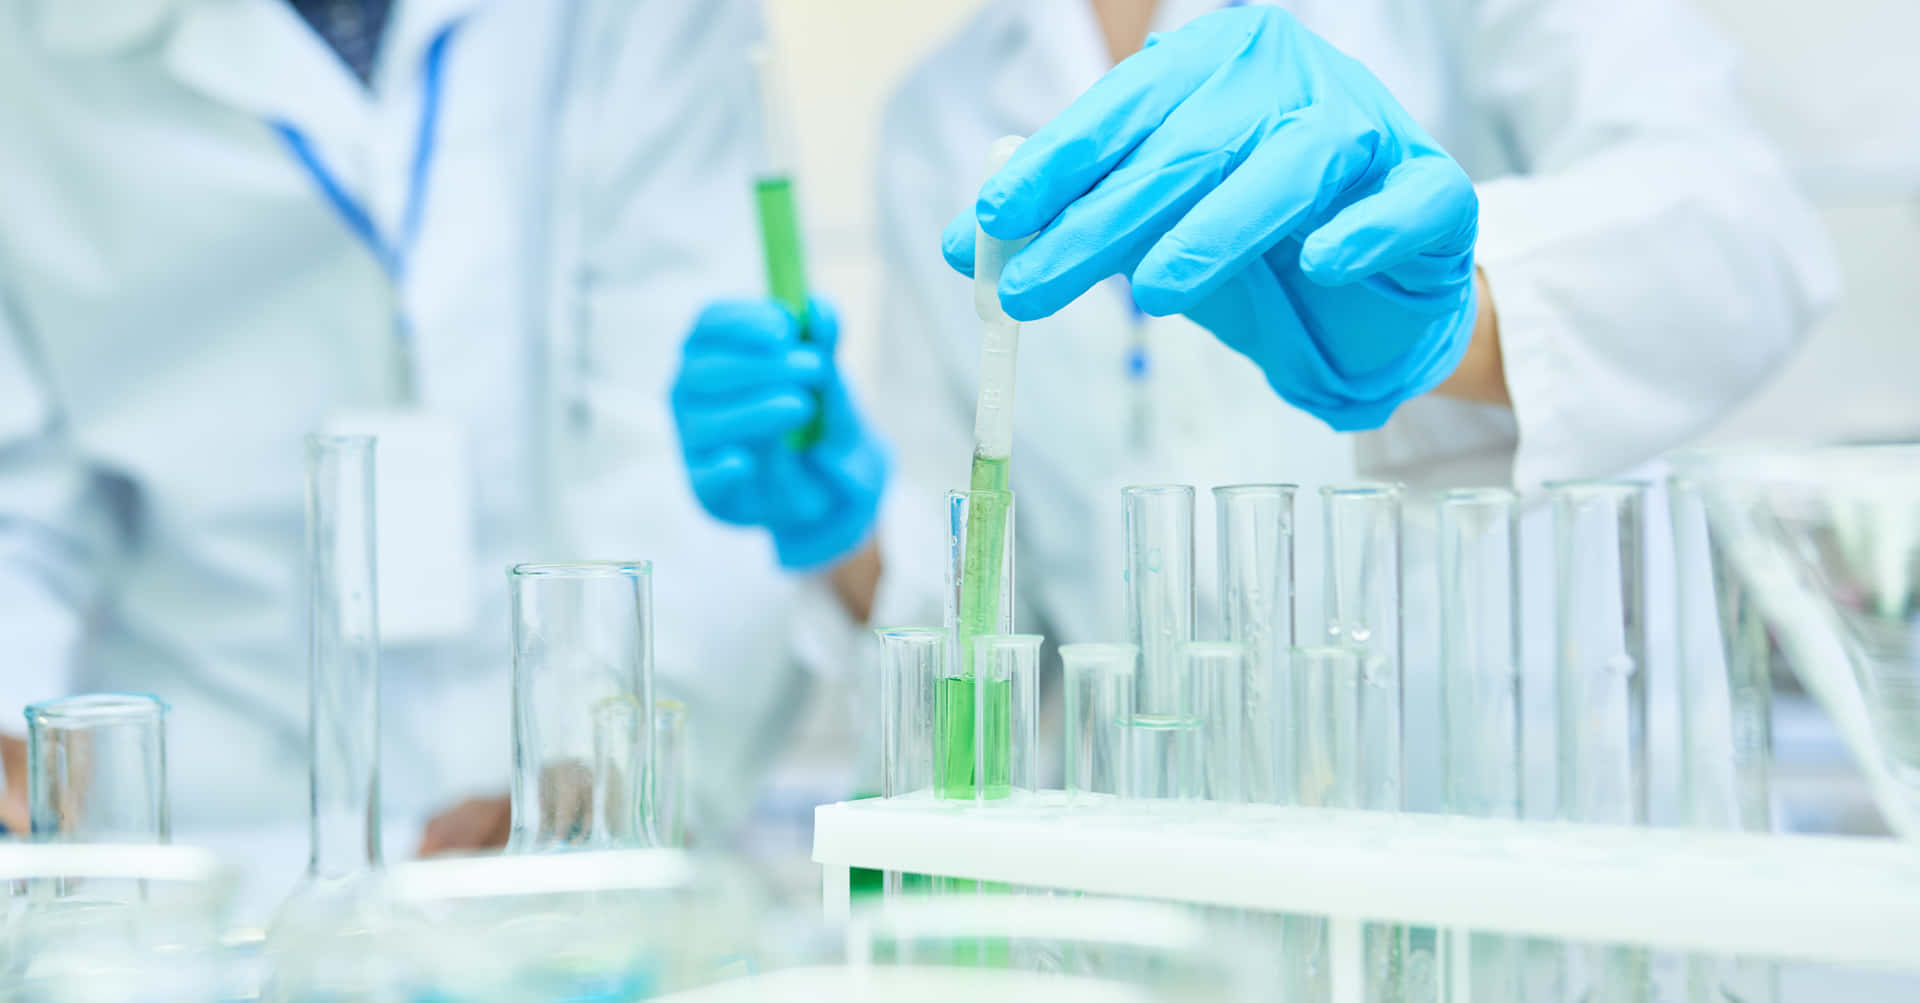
720, 478
1310, 160
742, 326
1105, 232
956, 243
1426, 207
1070, 155
707, 376
823, 325
802, 497
749, 419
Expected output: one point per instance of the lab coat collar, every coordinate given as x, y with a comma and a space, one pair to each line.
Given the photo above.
1053, 52
261, 57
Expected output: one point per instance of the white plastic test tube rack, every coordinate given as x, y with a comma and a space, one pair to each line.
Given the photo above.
1819, 899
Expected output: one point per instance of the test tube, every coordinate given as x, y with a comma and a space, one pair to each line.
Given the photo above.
343, 667
582, 635
1362, 598
1255, 529
913, 663
617, 763
1325, 734
1099, 715
776, 205
1216, 671
1158, 521
1480, 708
97, 769
1726, 706
1005, 713
672, 765
1600, 693
979, 603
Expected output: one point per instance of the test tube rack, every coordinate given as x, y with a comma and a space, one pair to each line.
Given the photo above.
1819, 899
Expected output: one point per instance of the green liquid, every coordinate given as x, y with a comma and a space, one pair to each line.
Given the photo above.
786, 268
980, 568
954, 734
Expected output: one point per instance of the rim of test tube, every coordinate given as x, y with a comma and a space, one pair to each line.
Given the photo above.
972, 492
582, 569
1459, 496
1244, 489
1324, 651
340, 440
1157, 489
1366, 490
1599, 485
1100, 656
912, 633
89, 709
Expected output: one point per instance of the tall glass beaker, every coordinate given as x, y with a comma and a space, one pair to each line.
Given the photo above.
979, 603
1480, 708
97, 769
582, 636
1255, 530
1160, 617
1601, 693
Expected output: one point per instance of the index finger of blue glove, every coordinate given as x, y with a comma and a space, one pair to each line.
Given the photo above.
823, 325
1069, 155
956, 243
1426, 207
751, 421
714, 374
742, 325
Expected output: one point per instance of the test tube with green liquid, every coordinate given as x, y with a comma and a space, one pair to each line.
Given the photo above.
979, 604
780, 216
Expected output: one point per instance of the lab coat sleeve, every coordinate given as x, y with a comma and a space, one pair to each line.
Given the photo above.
56, 533
1651, 263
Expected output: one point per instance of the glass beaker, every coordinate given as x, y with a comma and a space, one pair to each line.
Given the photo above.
1255, 530
582, 636
97, 769
1158, 521
913, 664
1099, 716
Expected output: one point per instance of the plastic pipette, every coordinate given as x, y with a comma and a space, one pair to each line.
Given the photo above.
779, 218
992, 433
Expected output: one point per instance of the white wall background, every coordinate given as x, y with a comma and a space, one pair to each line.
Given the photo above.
1833, 81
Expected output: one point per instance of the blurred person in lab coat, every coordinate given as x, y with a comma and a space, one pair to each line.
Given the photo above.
1590, 256
226, 224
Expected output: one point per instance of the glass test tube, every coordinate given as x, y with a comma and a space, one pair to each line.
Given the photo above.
1255, 529
979, 603
97, 769
1324, 732
1726, 709
1006, 708
582, 636
1362, 599
1480, 708
1600, 694
1216, 672
1600, 623
1099, 716
1158, 521
912, 665
617, 750
343, 666
672, 773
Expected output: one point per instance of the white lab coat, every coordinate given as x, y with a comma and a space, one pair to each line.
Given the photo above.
1650, 263
179, 306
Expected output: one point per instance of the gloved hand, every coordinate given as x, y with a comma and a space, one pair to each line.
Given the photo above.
1246, 173
746, 381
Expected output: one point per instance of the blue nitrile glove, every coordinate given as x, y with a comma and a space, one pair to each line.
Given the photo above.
746, 381
1248, 174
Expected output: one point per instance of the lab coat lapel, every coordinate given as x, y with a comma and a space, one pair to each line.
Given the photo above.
260, 57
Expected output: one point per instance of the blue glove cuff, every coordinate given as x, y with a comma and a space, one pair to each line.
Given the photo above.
1360, 405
